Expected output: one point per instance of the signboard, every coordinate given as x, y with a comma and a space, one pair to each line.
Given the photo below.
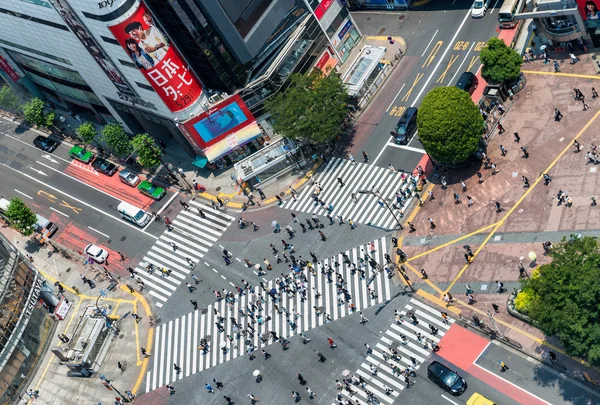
220, 121
8, 69
322, 8
588, 9
326, 62
35, 294
62, 309
157, 59
89, 43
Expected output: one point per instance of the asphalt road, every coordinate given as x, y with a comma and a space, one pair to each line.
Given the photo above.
442, 44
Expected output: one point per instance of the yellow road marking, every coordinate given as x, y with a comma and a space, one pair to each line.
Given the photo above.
150, 340
407, 95
535, 72
137, 340
461, 45
473, 60
418, 274
438, 301
397, 111
442, 77
432, 54
414, 212
47, 196
72, 208
479, 46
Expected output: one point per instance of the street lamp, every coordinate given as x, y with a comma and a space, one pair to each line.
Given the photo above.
491, 316
378, 195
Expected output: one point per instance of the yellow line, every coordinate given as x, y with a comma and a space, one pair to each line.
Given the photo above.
409, 92
116, 306
438, 301
520, 200
418, 274
145, 362
137, 340
414, 212
535, 72
450, 63
473, 60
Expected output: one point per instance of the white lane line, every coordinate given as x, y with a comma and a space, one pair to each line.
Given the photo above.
32, 147
493, 8
22, 193
450, 43
394, 145
430, 41
449, 400
461, 63
397, 94
61, 213
382, 149
174, 196
81, 202
101, 233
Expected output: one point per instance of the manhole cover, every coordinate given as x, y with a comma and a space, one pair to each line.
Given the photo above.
281, 194
123, 238
68, 269
108, 241
369, 19
402, 17
218, 189
204, 311
121, 336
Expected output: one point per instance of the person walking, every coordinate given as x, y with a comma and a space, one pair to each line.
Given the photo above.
218, 384
463, 186
369, 348
209, 388
144, 352
174, 246
557, 115
517, 137
411, 226
296, 396
363, 320
525, 153
525, 182
500, 129
171, 389
310, 393
176, 368
322, 235
194, 303
480, 177
342, 184
321, 357
365, 156
502, 150
498, 207
331, 344
469, 201
431, 223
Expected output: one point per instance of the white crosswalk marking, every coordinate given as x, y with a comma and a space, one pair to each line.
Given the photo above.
356, 177
176, 336
390, 370
193, 236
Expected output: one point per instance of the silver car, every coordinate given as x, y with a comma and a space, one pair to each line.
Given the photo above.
129, 178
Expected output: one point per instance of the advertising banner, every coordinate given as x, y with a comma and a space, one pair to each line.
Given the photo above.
223, 119
8, 69
158, 60
588, 9
88, 41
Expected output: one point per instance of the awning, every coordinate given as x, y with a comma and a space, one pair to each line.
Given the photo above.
232, 141
200, 161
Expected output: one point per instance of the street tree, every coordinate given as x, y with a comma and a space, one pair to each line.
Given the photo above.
35, 113
8, 98
21, 217
313, 107
87, 132
500, 62
563, 297
148, 153
449, 125
116, 140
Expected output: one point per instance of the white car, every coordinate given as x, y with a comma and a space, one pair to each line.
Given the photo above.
98, 254
478, 9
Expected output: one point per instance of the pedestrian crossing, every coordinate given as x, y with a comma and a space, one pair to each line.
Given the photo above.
192, 236
178, 340
388, 369
356, 176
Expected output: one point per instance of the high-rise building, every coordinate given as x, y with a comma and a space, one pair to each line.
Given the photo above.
197, 71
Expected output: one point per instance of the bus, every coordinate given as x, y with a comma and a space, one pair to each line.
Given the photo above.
506, 15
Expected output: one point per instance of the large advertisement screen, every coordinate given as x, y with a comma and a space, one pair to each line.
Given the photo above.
158, 60
92, 46
215, 124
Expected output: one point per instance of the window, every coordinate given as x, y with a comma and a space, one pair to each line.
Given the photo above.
45, 55
34, 19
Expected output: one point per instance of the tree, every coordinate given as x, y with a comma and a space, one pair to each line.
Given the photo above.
21, 217
148, 153
87, 132
565, 296
449, 124
116, 139
35, 114
500, 63
8, 98
313, 107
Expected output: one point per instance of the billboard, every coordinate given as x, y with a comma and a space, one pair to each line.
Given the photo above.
588, 9
8, 69
223, 119
89, 43
157, 59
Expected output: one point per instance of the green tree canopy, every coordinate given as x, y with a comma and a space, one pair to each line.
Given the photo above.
148, 153
500, 63
449, 124
116, 140
35, 115
313, 107
565, 297
21, 217
8, 98
87, 132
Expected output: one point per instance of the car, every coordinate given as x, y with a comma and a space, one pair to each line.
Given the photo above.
407, 125
79, 153
446, 378
478, 9
467, 82
97, 254
129, 178
104, 166
45, 144
478, 399
151, 190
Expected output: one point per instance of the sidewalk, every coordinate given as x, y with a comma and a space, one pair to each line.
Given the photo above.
51, 379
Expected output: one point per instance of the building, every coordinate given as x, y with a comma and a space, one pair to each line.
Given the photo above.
27, 328
561, 21
194, 71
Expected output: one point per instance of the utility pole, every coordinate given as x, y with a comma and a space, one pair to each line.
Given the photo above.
380, 198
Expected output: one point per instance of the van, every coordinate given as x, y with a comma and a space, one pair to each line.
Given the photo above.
407, 125
133, 214
45, 227
467, 82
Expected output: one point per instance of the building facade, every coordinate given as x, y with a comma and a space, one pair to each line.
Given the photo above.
194, 71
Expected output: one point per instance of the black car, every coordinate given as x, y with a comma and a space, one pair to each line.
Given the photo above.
104, 166
446, 378
45, 144
407, 125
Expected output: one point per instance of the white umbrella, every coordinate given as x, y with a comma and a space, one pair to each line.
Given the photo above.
346, 373
256, 373
543, 47
532, 256
274, 223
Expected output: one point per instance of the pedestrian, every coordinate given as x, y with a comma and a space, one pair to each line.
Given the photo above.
411, 226
294, 218
498, 207
525, 153
480, 177
171, 389
339, 179
502, 150
557, 115
547, 179
556, 67
227, 399
310, 392
430, 194
122, 256
431, 223
331, 344
500, 286
500, 129
351, 223
194, 303
470, 298
176, 368
391, 169
209, 388
363, 320
525, 182
503, 366
301, 379
174, 246
464, 186
369, 349
365, 156
296, 396
469, 201
190, 287
517, 137
321, 357
322, 235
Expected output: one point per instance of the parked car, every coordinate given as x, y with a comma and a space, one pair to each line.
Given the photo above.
446, 378
407, 126
45, 144
151, 190
478, 9
129, 178
467, 82
104, 166
98, 254
77, 152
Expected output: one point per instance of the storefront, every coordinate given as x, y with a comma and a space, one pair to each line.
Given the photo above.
346, 38
281, 156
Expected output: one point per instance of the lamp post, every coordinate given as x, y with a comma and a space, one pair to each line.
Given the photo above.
491, 316
380, 198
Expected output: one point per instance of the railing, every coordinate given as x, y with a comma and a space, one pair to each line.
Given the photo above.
561, 31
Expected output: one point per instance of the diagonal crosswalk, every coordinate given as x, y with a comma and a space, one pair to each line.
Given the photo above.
193, 236
178, 340
402, 337
357, 176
